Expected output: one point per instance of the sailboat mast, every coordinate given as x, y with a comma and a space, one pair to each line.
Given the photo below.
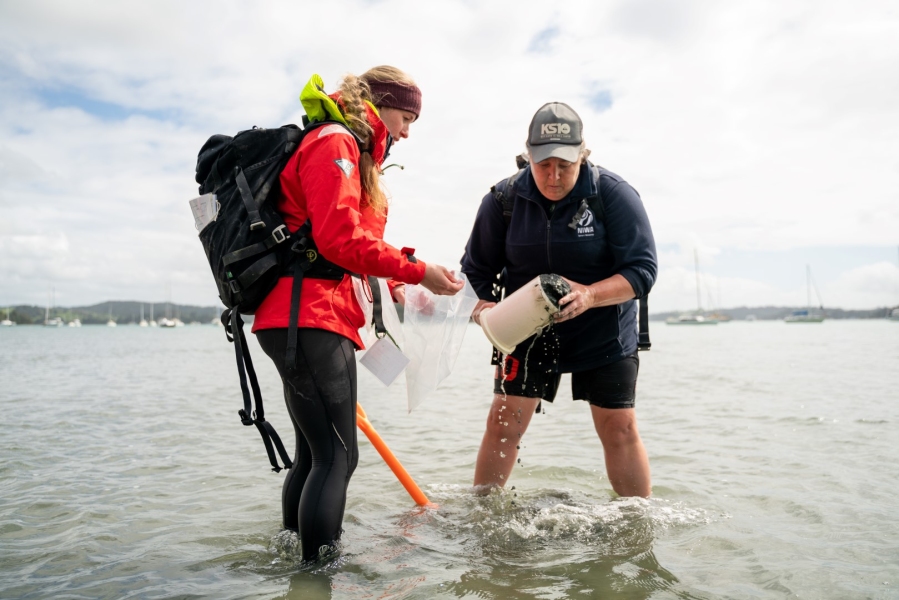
696, 269
808, 286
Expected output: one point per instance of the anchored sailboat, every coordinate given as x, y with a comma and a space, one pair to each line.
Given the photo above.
55, 321
697, 318
806, 316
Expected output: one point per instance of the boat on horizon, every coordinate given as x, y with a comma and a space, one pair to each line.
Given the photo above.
691, 320
696, 318
803, 316
807, 316
167, 321
6, 322
55, 321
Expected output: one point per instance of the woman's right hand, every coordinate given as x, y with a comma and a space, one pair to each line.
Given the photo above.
439, 280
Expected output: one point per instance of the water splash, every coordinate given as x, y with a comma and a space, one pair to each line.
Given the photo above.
518, 522
286, 548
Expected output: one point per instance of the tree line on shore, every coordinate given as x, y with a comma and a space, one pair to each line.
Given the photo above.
122, 312
129, 312
777, 313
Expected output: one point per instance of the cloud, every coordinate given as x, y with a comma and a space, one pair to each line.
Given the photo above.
62, 97
17, 170
865, 287
676, 290
654, 20
755, 127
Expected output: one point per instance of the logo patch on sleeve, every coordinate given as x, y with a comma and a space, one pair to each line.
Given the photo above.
345, 166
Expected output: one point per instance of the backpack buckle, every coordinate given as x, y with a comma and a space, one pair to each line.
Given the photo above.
279, 234
235, 287
244, 417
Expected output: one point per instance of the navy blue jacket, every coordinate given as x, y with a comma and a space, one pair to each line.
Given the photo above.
536, 242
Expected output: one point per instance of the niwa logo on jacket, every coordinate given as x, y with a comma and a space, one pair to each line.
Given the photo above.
585, 225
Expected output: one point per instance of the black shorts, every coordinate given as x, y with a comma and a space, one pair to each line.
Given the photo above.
609, 386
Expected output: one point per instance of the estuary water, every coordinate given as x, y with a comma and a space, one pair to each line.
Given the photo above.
125, 473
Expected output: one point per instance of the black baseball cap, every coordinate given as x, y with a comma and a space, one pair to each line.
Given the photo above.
556, 131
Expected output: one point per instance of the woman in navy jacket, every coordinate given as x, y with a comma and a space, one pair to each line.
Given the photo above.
588, 225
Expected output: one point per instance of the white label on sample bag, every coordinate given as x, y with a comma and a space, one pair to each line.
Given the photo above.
205, 209
384, 360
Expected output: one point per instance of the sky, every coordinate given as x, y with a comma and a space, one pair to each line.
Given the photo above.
763, 137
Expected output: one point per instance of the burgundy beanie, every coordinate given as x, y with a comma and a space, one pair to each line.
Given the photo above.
394, 94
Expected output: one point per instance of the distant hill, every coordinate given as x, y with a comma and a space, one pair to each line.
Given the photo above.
776, 313
122, 312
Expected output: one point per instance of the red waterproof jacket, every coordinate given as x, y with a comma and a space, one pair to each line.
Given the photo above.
321, 183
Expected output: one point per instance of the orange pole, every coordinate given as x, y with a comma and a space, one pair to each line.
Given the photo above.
391, 460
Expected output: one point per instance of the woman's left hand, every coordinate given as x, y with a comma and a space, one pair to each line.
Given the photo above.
577, 302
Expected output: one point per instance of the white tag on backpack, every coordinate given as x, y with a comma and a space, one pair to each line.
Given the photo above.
205, 209
384, 360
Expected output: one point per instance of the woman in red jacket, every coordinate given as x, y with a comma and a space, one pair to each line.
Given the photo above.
332, 180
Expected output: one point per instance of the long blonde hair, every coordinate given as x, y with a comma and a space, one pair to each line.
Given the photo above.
354, 92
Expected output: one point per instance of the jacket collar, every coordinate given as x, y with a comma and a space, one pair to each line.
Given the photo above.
320, 106
378, 145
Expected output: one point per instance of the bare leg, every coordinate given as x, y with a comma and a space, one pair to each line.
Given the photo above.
626, 462
508, 420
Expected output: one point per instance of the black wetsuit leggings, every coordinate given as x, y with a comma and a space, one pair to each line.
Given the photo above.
321, 400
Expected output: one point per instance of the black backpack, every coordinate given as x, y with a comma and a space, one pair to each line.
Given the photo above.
249, 247
506, 194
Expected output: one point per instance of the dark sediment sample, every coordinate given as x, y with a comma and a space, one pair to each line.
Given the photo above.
554, 287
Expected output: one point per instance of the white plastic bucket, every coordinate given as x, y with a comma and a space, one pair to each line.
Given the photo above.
525, 312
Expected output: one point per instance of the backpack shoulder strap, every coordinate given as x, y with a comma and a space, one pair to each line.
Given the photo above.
309, 126
643, 333
595, 203
504, 192
643, 342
